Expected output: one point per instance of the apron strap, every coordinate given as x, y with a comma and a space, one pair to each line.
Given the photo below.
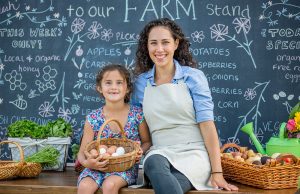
148, 83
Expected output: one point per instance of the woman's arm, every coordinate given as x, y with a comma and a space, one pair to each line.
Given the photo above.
89, 162
211, 140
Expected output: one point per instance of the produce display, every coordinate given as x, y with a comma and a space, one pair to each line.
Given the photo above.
249, 156
274, 171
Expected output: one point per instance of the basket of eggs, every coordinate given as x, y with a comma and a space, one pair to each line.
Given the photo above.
120, 152
243, 165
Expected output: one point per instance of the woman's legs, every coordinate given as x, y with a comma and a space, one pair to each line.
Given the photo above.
112, 184
87, 186
184, 182
159, 171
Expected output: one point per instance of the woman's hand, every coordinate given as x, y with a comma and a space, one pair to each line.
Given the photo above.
95, 162
218, 181
139, 155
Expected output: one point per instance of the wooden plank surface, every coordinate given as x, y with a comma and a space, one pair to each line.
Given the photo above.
65, 183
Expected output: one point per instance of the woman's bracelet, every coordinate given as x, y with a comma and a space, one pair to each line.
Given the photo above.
217, 172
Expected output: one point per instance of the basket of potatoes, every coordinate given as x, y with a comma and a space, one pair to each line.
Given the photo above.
120, 152
243, 165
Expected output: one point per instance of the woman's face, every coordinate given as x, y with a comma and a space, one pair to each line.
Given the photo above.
161, 46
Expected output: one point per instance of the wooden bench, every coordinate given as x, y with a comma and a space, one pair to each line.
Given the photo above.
65, 183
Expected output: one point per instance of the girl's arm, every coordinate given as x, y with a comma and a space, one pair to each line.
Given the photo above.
89, 162
211, 140
145, 139
145, 136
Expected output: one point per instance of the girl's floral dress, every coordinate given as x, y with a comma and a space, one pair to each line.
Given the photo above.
96, 119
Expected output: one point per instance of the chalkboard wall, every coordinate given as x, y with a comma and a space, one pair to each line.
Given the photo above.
248, 49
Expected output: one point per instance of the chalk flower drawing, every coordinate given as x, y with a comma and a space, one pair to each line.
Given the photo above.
106, 35
46, 110
77, 27
197, 36
250, 94
219, 32
35, 16
242, 24
254, 113
64, 113
281, 9
94, 30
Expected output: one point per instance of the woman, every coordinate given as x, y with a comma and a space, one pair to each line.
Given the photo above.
178, 109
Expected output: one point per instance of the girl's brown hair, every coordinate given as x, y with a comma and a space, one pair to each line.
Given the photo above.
182, 53
124, 73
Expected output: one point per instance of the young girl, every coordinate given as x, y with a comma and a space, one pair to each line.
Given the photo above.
113, 83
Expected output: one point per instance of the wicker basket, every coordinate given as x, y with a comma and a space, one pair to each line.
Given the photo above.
116, 163
261, 176
10, 169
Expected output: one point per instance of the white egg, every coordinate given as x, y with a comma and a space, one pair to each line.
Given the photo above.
115, 154
120, 151
102, 150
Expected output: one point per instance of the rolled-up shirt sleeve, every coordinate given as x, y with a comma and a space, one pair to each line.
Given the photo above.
137, 96
201, 95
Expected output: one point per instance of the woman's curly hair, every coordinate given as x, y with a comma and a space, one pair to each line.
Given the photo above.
182, 53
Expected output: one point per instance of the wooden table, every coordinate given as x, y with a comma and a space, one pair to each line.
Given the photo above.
65, 183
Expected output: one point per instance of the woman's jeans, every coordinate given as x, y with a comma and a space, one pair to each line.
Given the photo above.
164, 178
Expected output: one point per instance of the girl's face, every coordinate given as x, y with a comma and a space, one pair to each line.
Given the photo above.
161, 46
113, 87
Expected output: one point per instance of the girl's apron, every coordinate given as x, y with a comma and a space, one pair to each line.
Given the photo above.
170, 115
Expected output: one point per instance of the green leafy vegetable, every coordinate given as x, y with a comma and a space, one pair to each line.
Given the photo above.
46, 156
27, 128
59, 128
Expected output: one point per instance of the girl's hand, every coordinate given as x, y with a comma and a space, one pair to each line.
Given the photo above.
218, 181
139, 156
96, 163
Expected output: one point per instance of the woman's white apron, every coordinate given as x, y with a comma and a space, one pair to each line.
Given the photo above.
170, 115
